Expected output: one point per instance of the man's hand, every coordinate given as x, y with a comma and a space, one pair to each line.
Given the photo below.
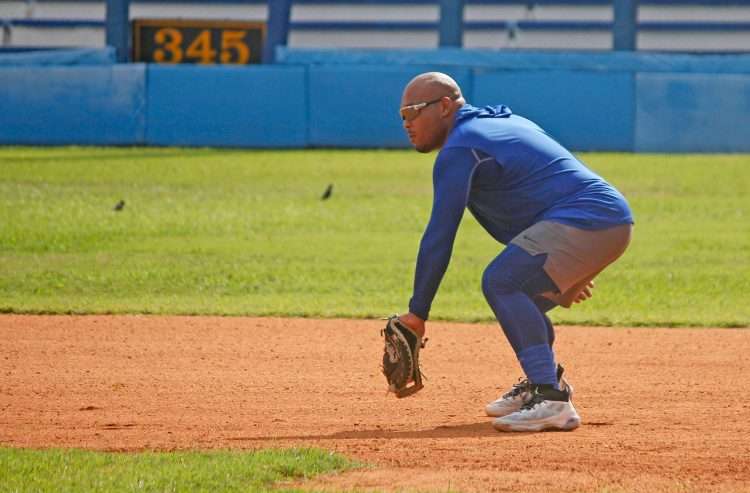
585, 293
413, 322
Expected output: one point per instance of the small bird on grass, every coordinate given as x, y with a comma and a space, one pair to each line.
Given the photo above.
119, 206
328, 192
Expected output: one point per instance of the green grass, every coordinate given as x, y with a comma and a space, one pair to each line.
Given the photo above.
61, 471
244, 232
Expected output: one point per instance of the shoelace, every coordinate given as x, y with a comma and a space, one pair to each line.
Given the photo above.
536, 398
518, 389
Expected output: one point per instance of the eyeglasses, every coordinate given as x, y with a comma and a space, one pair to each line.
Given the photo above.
409, 113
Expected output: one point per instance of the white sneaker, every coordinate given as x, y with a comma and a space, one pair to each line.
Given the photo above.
515, 398
549, 409
510, 401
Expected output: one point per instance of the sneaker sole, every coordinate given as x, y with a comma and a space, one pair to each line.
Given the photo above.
570, 424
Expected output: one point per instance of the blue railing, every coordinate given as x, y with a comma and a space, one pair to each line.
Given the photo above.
531, 3
528, 25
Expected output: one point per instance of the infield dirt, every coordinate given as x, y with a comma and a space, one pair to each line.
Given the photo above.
662, 409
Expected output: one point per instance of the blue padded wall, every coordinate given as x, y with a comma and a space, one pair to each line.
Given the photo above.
606, 101
693, 113
98, 105
582, 110
227, 106
357, 106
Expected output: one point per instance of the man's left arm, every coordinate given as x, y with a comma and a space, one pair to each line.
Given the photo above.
404, 335
452, 175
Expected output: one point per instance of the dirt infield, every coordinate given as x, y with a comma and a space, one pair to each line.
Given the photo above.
662, 409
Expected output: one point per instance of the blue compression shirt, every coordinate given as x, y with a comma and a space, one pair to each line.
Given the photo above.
510, 174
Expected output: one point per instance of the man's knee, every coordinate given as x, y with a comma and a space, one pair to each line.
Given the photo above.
489, 282
498, 279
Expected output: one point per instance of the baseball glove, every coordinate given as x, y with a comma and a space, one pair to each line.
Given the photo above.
401, 358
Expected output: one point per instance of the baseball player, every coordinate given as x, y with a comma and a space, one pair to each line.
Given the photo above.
562, 224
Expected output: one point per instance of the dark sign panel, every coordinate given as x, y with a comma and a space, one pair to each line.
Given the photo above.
197, 41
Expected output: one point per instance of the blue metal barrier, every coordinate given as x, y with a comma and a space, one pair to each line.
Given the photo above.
625, 28
54, 23
708, 3
279, 13
529, 25
450, 27
118, 28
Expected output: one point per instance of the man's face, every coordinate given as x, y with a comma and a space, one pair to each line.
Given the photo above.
425, 126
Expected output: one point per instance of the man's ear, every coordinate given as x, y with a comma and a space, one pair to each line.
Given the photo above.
446, 105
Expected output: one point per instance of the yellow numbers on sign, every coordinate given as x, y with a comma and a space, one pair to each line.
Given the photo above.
234, 40
234, 49
201, 49
171, 41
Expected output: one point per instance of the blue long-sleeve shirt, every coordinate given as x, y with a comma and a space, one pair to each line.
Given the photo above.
510, 174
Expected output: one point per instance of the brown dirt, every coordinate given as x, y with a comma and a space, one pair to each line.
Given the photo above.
663, 409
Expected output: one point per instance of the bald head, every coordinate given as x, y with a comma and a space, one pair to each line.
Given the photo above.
428, 109
433, 85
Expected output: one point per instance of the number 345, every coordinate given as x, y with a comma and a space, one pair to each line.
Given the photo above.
233, 47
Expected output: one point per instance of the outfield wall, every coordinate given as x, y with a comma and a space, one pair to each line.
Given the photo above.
604, 101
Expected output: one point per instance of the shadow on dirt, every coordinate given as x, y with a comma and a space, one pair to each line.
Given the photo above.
480, 429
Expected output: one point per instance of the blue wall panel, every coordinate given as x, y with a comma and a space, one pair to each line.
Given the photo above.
227, 106
693, 113
582, 110
72, 105
601, 107
357, 106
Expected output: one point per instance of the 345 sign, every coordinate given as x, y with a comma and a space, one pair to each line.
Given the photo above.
197, 41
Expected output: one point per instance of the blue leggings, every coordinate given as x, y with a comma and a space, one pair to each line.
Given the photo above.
512, 284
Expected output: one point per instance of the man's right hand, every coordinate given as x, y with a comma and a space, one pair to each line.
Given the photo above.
585, 293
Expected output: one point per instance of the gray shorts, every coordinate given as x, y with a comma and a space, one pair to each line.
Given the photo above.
574, 256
